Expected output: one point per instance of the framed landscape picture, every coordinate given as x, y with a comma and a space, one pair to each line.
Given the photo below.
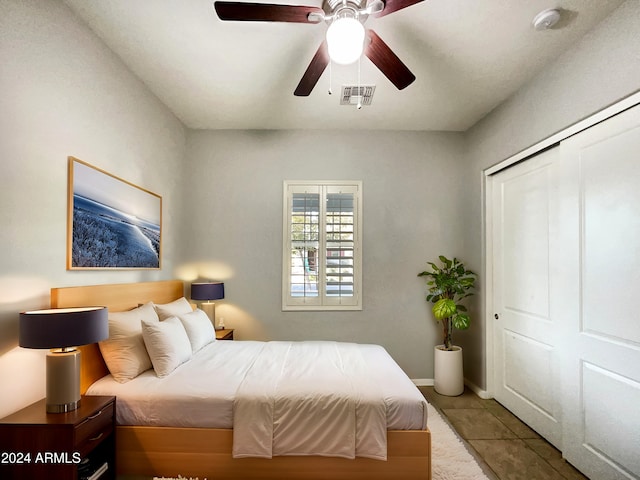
111, 223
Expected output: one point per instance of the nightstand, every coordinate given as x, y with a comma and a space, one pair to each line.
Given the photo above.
64, 446
224, 334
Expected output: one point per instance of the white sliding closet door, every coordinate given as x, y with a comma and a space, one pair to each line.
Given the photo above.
526, 364
565, 243
598, 292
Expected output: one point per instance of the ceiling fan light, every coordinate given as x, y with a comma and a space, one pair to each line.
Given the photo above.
345, 40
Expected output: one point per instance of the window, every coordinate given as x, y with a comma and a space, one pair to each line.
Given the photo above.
322, 267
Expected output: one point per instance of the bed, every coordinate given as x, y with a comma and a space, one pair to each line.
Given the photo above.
206, 451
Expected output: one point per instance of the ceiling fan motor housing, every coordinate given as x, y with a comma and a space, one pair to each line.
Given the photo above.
361, 10
332, 5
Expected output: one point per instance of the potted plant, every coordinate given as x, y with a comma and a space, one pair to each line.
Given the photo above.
448, 285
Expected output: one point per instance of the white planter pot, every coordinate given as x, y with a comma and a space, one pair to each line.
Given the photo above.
448, 373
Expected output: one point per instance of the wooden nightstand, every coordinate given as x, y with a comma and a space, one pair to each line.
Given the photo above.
224, 334
64, 446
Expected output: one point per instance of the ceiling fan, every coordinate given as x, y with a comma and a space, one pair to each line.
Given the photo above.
346, 34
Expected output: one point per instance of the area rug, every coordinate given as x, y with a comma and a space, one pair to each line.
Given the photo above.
450, 459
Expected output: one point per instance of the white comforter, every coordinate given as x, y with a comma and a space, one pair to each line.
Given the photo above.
214, 390
311, 398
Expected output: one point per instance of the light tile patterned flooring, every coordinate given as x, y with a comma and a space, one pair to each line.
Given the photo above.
505, 447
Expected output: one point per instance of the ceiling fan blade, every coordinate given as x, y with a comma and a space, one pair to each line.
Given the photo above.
391, 6
266, 12
311, 76
387, 62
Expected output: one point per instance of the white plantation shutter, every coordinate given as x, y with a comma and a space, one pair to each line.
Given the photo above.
322, 246
304, 238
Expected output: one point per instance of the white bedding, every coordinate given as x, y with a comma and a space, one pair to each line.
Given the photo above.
300, 385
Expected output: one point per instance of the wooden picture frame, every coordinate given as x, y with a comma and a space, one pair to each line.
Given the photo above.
111, 223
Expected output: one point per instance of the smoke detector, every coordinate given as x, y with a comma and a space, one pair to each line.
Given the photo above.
546, 19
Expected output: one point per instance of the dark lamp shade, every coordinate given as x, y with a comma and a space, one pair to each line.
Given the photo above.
207, 291
63, 327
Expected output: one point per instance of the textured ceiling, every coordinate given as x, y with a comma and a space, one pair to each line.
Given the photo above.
467, 55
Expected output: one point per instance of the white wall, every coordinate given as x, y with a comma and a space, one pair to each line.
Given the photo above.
64, 93
234, 199
598, 71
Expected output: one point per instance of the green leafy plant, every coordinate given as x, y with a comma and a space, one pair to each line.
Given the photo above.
448, 285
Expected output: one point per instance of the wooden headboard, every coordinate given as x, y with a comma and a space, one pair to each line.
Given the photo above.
117, 297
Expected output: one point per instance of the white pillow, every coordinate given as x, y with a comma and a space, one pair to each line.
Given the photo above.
124, 351
199, 329
167, 344
173, 309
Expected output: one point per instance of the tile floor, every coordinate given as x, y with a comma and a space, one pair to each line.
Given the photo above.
505, 447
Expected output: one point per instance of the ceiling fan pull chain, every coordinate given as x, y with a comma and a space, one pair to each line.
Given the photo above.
360, 92
330, 92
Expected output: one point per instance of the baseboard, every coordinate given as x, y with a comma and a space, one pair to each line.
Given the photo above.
477, 390
428, 382
423, 382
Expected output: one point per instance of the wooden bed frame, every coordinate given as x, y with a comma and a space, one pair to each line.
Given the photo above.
206, 452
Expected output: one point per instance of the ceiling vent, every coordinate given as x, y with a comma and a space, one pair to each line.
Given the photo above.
357, 95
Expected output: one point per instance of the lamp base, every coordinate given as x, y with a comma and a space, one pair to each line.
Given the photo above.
63, 408
63, 381
210, 309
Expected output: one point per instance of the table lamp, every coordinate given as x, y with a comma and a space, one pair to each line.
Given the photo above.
62, 330
208, 291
